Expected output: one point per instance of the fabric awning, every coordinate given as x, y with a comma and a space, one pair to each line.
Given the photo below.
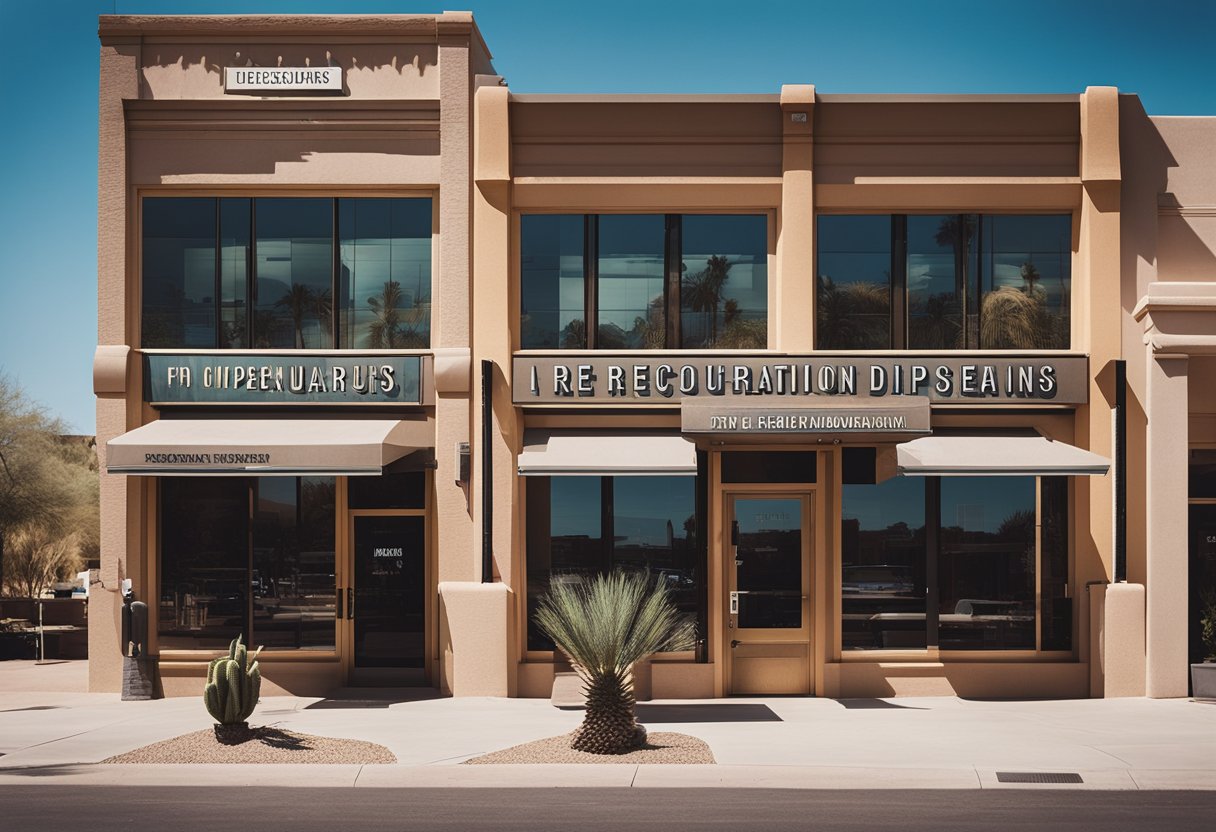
591, 453
976, 456
266, 447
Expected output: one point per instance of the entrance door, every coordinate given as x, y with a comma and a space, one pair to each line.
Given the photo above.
768, 585
388, 599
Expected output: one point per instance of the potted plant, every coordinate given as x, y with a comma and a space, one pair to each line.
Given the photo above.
605, 626
1203, 674
233, 684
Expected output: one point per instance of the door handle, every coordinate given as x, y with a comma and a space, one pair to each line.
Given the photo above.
734, 603
350, 602
339, 597
734, 642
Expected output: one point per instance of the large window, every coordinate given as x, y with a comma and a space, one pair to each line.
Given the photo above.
648, 281
954, 562
944, 282
582, 526
247, 556
286, 273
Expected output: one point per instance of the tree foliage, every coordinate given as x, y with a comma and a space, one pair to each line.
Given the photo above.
48, 495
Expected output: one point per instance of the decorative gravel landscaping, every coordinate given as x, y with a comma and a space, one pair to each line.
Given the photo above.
661, 747
268, 745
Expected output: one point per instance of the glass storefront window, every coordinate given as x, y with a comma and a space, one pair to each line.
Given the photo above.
882, 571
582, 526
207, 282
648, 281
943, 281
986, 568
997, 545
1026, 282
854, 284
631, 279
724, 282
247, 556
179, 273
385, 273
551, 277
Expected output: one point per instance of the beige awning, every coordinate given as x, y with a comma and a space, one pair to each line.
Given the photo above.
591, 453
266, 447
976, 456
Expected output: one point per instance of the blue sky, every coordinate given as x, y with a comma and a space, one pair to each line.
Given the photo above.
1160, 50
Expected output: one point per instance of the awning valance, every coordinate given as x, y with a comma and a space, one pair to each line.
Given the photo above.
976, 456
266, 447
591, 453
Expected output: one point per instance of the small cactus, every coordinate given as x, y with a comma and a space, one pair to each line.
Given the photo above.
233, 684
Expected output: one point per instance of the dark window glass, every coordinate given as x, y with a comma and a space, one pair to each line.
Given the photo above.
882, 573
632, 270
204, 562
551, 277
293, 563
1201, 577
768, 466
858, 466
1026, 282
724, 282
581, 526
768, 562
179, 273
938, 253
853, 298
1202, 479
294, 304
385, 277
405, 490
1056, 612
390, 592
234, 272
986, 569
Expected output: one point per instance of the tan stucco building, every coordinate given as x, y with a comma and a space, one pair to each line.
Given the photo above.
386, 348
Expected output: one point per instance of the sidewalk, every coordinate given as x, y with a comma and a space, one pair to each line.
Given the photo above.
908, 743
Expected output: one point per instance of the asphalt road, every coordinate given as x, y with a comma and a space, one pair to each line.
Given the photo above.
98, 809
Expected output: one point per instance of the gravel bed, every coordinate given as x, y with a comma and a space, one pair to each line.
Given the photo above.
269, 745
661, 747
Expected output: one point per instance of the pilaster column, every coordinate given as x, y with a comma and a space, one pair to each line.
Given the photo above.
794, 295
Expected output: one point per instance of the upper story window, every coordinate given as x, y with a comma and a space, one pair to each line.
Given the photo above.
647, 281
286, 273
944, 282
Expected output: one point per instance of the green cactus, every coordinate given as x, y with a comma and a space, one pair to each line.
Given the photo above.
233, 684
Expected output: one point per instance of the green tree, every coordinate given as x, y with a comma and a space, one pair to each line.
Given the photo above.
606, 625
48, 486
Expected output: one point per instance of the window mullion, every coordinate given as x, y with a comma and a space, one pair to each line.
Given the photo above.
933, 502
218, 296
251, 287
335, 270
899, 281
673, 244
607, 524
591, 279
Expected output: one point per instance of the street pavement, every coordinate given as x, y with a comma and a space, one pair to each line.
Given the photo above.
55, 738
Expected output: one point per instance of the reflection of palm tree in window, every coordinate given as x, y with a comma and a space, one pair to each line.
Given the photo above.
392, 327
853, 315
301, 302
702, 292
574, 336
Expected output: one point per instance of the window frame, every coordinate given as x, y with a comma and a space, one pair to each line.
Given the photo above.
136, 287
672, 275
972, 300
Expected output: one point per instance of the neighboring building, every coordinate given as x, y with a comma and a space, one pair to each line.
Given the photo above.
840, 370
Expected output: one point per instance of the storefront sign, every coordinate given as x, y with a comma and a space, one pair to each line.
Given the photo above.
851, 416
971, 378
244, 378
291, 80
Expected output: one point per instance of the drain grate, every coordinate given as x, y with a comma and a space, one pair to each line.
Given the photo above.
1038, 777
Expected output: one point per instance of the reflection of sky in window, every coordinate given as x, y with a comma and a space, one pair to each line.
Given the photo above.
877, 507
982, 504
743, 241
631, 266
643, 505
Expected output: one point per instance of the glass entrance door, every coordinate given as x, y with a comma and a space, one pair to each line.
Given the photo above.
388, 599
768, 587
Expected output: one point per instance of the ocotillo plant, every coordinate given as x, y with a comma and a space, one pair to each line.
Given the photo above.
233, 684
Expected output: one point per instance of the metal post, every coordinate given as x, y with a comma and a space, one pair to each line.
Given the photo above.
487, 471
1120, 449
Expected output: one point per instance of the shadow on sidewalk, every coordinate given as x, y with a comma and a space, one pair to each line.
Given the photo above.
710, 712
357, 698
874, 705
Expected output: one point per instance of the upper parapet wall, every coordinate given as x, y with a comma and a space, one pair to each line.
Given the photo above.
383, 56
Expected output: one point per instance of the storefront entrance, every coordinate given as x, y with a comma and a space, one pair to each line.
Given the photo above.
768, 587
387, 602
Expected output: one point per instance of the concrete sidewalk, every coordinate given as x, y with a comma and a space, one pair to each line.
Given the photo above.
937, 742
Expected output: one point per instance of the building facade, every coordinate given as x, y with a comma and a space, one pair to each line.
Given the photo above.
893, 392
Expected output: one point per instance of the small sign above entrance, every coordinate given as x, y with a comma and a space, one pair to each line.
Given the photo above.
283, 80
853, 418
